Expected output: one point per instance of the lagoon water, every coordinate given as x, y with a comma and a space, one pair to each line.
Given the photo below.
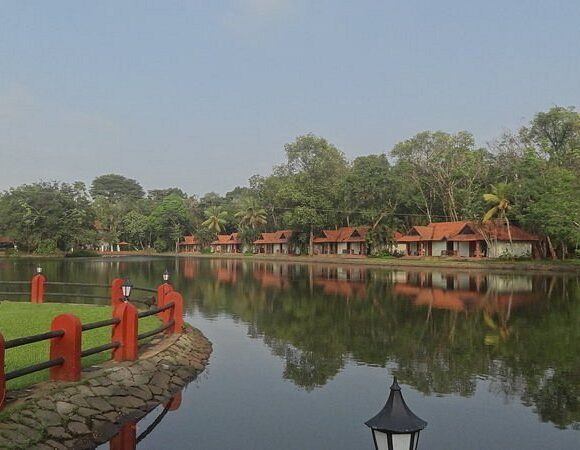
304, 354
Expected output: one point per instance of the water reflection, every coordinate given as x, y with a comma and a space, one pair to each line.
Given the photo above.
127, 438
439, 331
442, 331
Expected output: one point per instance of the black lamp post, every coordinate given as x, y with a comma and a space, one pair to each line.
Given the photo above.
126, 288
395, 427
166, 276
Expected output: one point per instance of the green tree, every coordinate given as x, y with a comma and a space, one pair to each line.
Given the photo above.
557, 133
445, 171
216, 219
250, 214
136, 229
47, 215
170, 219
116, 187
500, 204
309, 184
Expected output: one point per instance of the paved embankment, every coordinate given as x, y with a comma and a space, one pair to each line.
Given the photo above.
84, 414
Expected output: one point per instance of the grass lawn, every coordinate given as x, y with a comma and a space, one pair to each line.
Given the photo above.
18, 319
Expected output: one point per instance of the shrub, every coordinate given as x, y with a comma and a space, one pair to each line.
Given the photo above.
47, 247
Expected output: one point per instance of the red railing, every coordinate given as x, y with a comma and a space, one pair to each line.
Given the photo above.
65, 336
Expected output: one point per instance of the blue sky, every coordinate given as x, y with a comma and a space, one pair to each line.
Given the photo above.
203, 94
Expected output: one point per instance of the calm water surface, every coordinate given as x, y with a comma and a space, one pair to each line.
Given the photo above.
304, 354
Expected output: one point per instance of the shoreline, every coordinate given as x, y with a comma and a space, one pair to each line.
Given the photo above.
571, 266
540, 266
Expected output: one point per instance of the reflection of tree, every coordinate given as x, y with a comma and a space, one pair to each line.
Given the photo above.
437, 346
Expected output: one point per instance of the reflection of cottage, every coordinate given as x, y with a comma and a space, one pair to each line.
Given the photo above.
190, 244
274, 243
467, 239
343, 241
465, 292
227, 243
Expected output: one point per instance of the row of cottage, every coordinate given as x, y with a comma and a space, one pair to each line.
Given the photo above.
462, 238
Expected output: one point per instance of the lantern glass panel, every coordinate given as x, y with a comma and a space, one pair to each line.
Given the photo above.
381, 440
402, 441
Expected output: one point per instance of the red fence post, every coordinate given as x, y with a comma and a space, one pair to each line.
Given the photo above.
68, 347
125, 332
175, 313
37, 288
2, 379
162, 292
126, 438
116, 292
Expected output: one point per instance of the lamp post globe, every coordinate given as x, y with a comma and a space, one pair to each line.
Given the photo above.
38, 269
166, 276
396, 427
126, 288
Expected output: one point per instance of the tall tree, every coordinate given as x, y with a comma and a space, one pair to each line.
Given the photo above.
116, 187
557, 133
445, 169
309, 188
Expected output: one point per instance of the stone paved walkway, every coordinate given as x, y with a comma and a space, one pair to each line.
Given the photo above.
84, 414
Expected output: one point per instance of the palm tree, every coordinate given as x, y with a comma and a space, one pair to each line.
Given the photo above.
499, 199
251, 214
216, 218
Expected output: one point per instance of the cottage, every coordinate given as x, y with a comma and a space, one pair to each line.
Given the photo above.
227, 243
343, 241
190, 244
467, 239
274, 243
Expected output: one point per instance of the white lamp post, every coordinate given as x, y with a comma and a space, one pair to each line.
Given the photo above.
126, 288
395, 427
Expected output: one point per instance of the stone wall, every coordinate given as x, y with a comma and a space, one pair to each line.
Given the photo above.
90, 412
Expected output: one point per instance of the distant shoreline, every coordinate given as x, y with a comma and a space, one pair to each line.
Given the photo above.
537, 266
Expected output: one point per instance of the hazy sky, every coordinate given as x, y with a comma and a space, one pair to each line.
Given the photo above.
203, 94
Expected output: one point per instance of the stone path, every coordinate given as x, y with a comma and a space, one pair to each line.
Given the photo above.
87, 413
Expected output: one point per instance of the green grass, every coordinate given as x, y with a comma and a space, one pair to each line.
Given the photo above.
23, 319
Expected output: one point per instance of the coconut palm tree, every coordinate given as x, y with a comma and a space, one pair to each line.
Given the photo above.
498, 198
216, 218
251, 214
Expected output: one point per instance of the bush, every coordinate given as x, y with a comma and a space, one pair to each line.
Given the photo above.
160, 246
47, 247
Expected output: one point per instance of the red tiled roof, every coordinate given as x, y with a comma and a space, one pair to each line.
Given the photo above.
452, 231
277, 237
343, 234
224, 239
190, 240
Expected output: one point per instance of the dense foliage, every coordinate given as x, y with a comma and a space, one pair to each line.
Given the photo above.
530, 177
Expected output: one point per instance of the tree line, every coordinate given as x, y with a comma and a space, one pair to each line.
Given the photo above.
530, 176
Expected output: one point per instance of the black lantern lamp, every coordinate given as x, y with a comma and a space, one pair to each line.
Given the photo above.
38, 269
126, 288
166, 276
395, 427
